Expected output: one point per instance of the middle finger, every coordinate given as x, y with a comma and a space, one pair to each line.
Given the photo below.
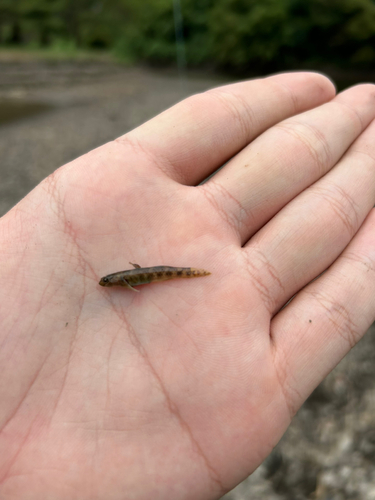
288, 158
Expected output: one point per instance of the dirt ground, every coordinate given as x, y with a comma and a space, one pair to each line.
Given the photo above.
51, 113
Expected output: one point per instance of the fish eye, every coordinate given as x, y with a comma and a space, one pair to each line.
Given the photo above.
105, 279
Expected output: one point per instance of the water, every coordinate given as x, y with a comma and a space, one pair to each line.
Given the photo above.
12, 109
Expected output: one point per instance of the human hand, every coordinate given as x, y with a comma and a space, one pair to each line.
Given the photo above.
181, 390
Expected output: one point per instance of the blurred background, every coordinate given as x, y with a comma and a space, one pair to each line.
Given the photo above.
245, 37
75, 74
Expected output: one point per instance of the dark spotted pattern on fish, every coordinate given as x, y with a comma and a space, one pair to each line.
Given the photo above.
143, 275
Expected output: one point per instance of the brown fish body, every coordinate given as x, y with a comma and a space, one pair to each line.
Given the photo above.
144, 275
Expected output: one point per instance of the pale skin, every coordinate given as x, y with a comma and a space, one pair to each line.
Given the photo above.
182, 390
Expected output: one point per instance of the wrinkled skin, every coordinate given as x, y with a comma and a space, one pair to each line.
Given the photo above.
180, 391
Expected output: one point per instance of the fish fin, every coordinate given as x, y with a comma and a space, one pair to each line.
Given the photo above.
137, 266
129, 286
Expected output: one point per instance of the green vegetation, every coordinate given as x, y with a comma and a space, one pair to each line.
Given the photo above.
237, 35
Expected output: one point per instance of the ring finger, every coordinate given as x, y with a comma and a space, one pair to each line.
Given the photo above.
306, 236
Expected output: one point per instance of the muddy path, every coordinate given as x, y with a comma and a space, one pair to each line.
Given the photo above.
51, 113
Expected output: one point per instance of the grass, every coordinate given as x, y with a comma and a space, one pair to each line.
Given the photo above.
56, 52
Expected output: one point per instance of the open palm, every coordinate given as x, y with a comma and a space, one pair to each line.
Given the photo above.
181, 390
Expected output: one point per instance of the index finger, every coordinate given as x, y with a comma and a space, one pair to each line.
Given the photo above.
196, 136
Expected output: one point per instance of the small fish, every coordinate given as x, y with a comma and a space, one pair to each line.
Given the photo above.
143, 275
